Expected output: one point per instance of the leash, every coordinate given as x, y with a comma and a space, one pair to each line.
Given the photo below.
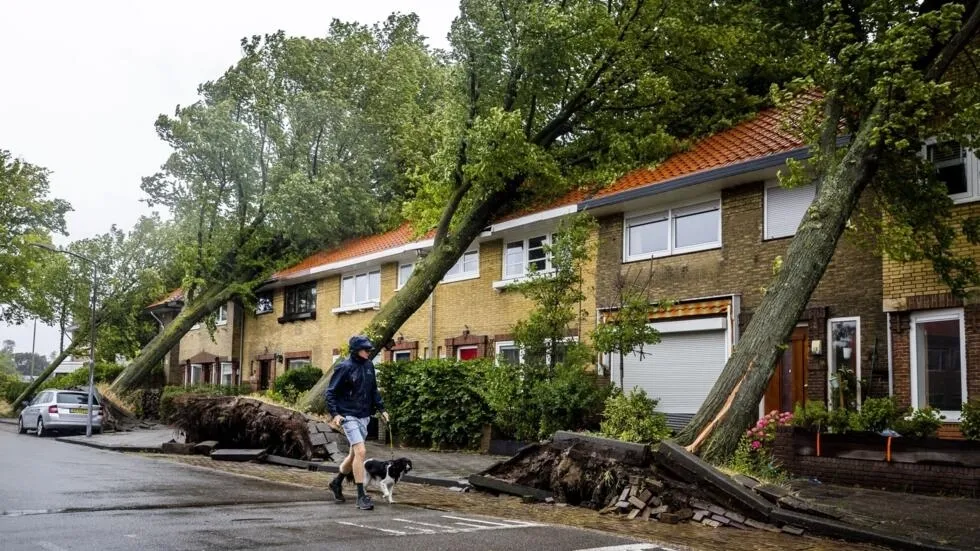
391, 441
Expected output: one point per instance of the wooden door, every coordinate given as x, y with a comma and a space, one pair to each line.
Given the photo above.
787, 387
264, 368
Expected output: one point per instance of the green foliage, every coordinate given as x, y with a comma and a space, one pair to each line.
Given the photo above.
435, 402
813, 416
571, 399
11, 387
104, 373
878, 414
920, 423
296, 381
754, 454
633, 417
171, 392
970, 419
631, 331
841, 420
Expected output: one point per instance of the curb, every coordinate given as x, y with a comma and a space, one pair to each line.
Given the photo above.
111, 448
8, 421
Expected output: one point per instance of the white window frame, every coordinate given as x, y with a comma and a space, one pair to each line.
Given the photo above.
221, 316
371, 303
766, 236
832, 358
972, 166
671, 213
549, 239
466, 347
200, 373
932, 316
230, 372
396, 353
399, 283
499, 345
294, 363
461, 263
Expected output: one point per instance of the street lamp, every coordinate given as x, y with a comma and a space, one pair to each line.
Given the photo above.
91, 364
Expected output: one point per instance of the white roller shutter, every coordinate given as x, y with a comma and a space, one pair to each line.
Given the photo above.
785, 209
679, 371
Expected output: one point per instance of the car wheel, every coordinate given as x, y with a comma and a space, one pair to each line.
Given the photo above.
21, 429
40, 428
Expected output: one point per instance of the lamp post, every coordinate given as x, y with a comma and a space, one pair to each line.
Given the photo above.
91, 364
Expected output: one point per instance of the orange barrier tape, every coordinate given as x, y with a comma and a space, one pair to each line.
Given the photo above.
818, 443
888, 450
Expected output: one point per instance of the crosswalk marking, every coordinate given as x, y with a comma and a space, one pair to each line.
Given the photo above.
395, 532
458, 525
476, 520
448, 529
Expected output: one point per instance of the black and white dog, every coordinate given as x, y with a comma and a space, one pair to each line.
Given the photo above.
385, 473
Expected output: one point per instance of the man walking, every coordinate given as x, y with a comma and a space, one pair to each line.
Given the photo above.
352, 397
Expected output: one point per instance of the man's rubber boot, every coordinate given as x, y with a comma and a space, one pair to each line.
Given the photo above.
338, 494
364, 503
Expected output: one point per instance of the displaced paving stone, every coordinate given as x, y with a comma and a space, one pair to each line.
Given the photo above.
318, 439
700, 504
685, 514
623, 506
699, 516
633, 514
238, 455
659, 510
645, 496
206, 447
324, 427
711, 523
771, 491
655, 502
723, 520
176, 448
738, 525
549, 500
717, 510
747, 481
654, 484
645, 515
637, 502
625, 494
794, 530
735, 517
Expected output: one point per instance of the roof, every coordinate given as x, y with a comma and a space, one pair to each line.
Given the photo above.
176, 294
771, 132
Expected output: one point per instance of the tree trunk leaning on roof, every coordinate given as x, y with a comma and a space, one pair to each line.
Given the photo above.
890, 126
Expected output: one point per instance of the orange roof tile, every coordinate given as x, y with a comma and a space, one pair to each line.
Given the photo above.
772, 131
176, 294
355, 247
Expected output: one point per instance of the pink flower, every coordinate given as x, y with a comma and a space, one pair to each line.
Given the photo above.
756, 444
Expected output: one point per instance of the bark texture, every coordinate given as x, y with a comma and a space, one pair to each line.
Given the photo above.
152, 354
36, 383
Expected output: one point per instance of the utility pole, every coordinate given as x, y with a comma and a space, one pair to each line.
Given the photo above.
33, 344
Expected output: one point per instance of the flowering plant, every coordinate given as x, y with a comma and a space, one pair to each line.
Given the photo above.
763, 434
754, 453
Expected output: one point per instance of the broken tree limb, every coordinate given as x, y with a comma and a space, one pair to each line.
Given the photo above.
693, 447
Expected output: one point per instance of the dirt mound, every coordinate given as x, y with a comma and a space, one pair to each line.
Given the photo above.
237, 422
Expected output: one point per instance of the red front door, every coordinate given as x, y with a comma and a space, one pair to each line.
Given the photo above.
467, 353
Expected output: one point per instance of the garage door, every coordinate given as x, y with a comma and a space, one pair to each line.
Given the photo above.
679, 371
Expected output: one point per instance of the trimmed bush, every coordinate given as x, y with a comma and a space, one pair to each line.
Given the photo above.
970, 419
920, 423
633, 417
436, 403
296, 381
878, 414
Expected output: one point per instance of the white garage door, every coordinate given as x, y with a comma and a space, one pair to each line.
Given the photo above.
679, 371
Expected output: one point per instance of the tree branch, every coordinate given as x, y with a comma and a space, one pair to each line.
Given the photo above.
943, 59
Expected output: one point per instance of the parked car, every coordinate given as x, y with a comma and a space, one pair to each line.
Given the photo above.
59, 410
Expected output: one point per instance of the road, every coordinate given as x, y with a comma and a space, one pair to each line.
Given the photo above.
56, 496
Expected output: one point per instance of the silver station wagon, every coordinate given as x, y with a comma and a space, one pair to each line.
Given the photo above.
60, 410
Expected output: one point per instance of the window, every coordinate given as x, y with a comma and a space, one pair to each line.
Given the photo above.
221, 318
784, 208
467, 352
678, 230
844, 361
404, 272
301, 299
401, 356
263, 303
75, 398
293, 363
957, 167
226, 378
467, 267
508, 352
523, 257
938, 357
360, 289
195, 374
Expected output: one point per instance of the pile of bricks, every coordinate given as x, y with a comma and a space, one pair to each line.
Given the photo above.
648, 499
325, 441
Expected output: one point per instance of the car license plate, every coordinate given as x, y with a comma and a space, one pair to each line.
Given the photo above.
77, 410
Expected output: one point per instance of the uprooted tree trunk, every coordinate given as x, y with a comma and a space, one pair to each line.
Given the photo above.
152, 354
36, 383
446, 251
237, 422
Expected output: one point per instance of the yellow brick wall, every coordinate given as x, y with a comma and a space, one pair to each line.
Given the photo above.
473, 302
199, 340
908, 279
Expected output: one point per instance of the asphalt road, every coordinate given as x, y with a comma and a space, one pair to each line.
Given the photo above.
56, 496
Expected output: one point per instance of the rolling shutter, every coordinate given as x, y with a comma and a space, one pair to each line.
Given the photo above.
785, 209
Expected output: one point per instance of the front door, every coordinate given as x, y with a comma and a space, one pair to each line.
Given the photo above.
787, 385
265, 366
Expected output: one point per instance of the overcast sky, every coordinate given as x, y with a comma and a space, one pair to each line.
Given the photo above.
83, 83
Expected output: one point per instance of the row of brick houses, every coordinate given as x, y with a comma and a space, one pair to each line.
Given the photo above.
703, 229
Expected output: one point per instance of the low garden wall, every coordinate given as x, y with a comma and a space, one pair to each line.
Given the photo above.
865, 459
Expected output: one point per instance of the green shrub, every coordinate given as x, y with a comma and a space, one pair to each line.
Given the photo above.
878, 414
296, 381
436, 403
571, 399
970, 419
171, 392
920, 423
633, 417
754, 455
841, 420
11, 387
813, 416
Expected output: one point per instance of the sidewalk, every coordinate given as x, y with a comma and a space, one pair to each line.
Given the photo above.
443, 469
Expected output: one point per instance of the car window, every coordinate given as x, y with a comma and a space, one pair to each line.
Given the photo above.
41, 399
75, 398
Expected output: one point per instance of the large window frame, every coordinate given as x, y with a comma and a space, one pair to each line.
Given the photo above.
264, 303
854, 353
671, 215
292, 299
767, 232
971, 166
952, 314
540, 242
467, 266
405, 271
221, 316
500, 346
355, 295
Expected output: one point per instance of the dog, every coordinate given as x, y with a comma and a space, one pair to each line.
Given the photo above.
385, 473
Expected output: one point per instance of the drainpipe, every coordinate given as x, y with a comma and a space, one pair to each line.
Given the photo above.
432, 323
888, 328
241, 344
158, 319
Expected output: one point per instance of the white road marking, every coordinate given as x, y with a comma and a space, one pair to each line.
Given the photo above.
476, 526
396, 532
429, 524
484, 522
627, 547
48, 546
